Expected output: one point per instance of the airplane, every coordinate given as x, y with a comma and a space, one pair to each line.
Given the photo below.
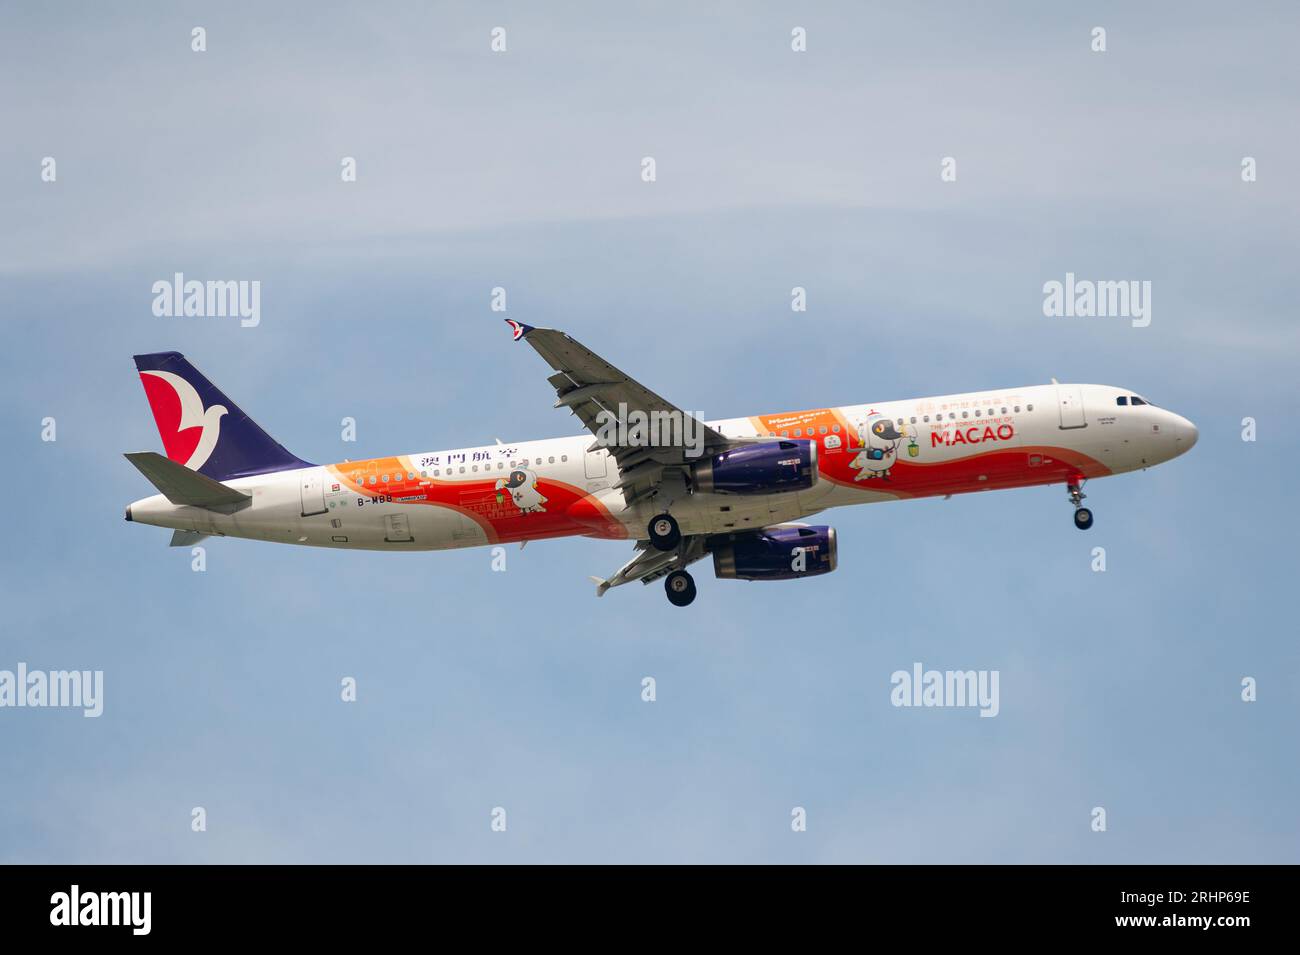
737, 489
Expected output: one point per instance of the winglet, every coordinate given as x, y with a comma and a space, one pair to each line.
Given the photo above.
519, 329
601, 583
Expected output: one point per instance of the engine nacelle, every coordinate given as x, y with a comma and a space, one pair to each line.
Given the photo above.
766, 468
779, 552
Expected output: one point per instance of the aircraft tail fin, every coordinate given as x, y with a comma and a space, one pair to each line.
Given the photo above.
201, 428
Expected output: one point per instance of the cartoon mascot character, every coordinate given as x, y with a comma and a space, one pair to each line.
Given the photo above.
880, 443
522, 488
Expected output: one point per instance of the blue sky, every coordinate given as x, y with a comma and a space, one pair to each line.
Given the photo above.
480, 689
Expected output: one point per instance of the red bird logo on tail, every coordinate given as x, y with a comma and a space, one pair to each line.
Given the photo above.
189, 431
518, 329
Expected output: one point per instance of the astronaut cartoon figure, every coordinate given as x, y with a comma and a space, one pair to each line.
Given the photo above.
880, 443
522, 488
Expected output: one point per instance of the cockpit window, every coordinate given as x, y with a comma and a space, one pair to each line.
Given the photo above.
1122, 400
1138, 401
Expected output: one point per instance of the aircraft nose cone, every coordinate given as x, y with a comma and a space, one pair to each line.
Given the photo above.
1187, 434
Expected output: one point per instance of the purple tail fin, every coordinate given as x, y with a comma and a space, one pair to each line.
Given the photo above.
203, 429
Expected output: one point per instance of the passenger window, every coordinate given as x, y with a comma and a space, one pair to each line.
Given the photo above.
785, 434
384, 479
913, 420
1004, 410
798, 432
977, 412
1029, 407
965, 414
823, 429
372, 480
550, 460
564, 457
462, 469
835, 428
1122, 400
1017, 409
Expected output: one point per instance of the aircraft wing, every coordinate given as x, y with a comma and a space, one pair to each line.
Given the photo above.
648, 564
596, 391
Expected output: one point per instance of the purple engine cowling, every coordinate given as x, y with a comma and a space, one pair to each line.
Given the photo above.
772, 553
765, 468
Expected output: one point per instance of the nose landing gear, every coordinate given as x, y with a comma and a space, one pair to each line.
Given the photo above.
1082, 516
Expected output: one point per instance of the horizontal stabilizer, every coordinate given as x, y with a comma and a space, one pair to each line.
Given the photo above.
186, 538
180, 485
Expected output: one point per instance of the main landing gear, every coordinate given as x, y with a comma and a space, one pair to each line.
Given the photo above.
665, 534
1082, 516
680, 587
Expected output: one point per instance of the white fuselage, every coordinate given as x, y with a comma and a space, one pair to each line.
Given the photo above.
472, 496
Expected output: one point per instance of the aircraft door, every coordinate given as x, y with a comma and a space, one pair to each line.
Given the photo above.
596, 463
313, 492
1069, 398
397, 529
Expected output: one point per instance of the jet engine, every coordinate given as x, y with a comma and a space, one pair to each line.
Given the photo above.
766, 468
779, 552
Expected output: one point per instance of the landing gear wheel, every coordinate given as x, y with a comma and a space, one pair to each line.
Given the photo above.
664, 532
1082, 516
680, 587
